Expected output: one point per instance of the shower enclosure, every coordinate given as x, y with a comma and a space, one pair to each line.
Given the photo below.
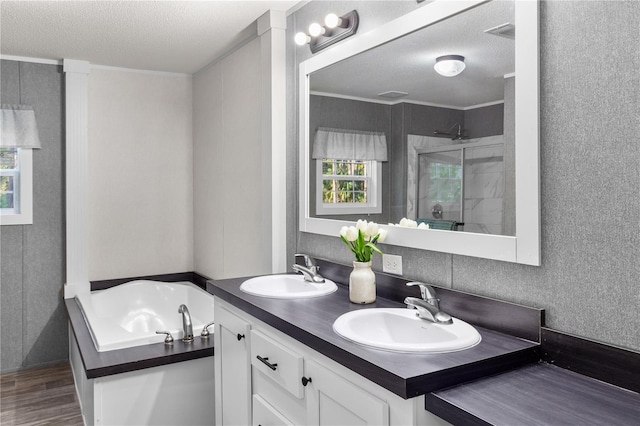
461, 184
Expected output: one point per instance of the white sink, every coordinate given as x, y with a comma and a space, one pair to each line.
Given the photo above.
400, 330
287, 287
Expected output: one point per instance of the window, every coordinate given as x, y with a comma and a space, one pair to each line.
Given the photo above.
345, 186
15, 186
446, 182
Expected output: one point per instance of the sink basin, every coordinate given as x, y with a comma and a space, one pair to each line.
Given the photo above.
287, 287
400, 330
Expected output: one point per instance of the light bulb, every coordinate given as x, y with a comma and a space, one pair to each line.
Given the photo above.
332, 20
301, 39
315, 30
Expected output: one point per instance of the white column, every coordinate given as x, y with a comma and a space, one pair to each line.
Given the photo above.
271, 30
76, 101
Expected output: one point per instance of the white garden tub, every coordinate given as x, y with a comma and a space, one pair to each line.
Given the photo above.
129, 314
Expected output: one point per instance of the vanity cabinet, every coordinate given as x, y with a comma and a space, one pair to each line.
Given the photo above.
232, 369
332, 400
269, 378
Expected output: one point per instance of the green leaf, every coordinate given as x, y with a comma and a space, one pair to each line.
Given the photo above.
374, 248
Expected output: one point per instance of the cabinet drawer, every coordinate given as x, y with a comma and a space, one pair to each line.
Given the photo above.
277, 362
265, 415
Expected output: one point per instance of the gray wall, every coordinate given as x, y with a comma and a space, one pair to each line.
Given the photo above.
347, 114
33, 318
589, 280
396, 121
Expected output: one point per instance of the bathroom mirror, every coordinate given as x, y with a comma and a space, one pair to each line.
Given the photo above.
446, 133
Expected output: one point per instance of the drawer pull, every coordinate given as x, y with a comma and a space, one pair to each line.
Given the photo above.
266, 362
305, 381
240, 336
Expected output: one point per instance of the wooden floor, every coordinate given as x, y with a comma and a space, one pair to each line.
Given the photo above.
39, 396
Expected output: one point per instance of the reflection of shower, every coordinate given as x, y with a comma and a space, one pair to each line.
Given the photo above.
458, 136
462, 183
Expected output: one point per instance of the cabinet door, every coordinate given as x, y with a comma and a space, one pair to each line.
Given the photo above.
332, 400
233, 370
265, 415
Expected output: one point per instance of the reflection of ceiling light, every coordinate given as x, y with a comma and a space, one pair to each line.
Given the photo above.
449, 65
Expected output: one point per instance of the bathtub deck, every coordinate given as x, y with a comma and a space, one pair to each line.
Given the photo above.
100, 364
39, 396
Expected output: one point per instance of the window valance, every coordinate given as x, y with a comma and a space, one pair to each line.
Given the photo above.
349, 144
19, 128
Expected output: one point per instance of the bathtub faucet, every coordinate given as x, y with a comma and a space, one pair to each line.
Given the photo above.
186, 324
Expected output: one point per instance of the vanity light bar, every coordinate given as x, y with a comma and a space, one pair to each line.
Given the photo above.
335, 29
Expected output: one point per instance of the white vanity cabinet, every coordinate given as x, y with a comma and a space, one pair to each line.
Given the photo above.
270, 390
332, 400
232, 369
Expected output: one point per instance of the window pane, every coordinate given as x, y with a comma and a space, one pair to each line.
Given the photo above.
345, 197
6, 201
8, 158
359, 169
6, 183
327, 167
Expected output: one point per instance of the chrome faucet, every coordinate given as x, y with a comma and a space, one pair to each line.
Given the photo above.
186, 324
310, 271
428, 307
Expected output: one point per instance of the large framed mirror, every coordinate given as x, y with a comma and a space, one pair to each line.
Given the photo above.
459, 153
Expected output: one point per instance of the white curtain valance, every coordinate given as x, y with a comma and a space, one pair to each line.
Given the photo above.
349, 144
19, 127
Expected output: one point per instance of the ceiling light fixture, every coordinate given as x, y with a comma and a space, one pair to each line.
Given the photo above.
336, 28
449, 65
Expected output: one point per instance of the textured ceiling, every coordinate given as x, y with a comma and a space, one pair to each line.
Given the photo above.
406, 64
173, 36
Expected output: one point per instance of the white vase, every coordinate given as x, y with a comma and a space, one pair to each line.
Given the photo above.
362, 283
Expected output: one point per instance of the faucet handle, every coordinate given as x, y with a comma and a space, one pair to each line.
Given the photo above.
167, 340
205, 330
308, 260
426, 291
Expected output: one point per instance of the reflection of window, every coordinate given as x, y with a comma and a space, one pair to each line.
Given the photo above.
15, 186
445, 182
348, 186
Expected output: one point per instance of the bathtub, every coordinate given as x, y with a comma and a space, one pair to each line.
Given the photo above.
167, 390
129, 314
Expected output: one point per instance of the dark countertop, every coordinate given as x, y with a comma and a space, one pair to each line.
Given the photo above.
538, 394
100, 364
407, 375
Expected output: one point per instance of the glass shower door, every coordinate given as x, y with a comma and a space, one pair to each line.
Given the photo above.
440, 185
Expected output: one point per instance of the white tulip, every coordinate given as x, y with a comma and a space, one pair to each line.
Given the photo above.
361, 225
351, 234
343, 231
383, 235
408, 223
371, 230
423, 226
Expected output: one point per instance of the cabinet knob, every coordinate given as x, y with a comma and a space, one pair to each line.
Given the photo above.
240, 336
305, 381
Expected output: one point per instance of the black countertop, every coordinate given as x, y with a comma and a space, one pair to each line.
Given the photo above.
99, 364
310, 321
538, 394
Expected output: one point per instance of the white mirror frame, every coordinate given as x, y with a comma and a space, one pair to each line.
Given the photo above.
522, 248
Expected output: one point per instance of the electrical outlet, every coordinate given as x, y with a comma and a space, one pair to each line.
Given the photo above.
392, 264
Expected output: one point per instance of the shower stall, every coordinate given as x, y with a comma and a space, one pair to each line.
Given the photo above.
458, 186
